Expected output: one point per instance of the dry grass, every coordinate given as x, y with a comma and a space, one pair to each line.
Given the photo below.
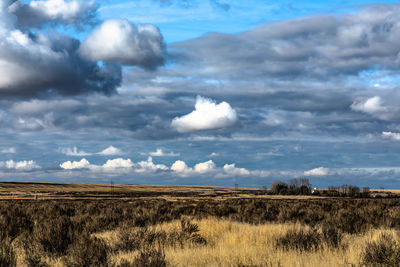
239, 244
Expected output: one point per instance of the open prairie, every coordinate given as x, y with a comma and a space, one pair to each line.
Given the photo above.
43, 191
143, 225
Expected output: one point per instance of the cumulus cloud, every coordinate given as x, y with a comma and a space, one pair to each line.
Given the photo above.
10, 150
181, 168
321, 171
371, 105
207, 116
149, 166
35, 63
37, 13
25, 165
111, 151
118, 163
123, 42
391, 136
71, 165
74, 152
205, 167
231, 169
160, 153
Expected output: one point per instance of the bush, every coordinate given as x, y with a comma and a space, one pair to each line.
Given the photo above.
87, 251
190, 232
301, 240
55, 235
331, 235
7, 255
150, 258
383, 252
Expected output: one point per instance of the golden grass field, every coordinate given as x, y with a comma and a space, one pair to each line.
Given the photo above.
240, 244
229, 240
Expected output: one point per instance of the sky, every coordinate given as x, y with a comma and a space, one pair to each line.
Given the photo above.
192, 92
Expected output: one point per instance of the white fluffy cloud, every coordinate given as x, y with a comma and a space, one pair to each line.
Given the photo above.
391, 136
118, 163
205, 167
321, 171
231, 169
160, 153
71, 165
181, 168
25, 165
149, 166
206, 116
371, 105
123, 42
111, 151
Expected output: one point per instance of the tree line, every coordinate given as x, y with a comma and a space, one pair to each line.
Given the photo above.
303, 186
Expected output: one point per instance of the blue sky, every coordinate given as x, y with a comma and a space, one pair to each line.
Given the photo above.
200, 92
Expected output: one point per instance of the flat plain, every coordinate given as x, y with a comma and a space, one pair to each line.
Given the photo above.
52, 224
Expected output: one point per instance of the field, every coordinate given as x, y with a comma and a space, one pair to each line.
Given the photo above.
130, 225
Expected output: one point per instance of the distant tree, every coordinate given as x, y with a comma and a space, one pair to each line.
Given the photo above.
299, 186
365, 192
279, 188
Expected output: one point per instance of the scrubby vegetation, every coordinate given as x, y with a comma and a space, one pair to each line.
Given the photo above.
203, 232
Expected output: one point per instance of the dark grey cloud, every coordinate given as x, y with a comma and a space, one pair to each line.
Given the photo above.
36, 63
40, 13
314, 48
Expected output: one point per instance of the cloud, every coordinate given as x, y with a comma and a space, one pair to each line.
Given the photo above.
118, 163
371, 105
71, 165
160, 153
205, 167
181, 168
391, 136
74, 152
111, 151
38, 13
213, 154
220, 5
125, 43
207, 116
34, 63
19, 165
149, 166
10, 150
321, 171
231, 169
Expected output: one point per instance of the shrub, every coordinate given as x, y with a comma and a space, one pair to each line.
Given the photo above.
55, 235
7, 255
301, 240
331, 235
87, 251
150, 258
190, 232
383, 252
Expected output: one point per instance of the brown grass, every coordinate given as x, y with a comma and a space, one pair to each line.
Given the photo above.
240, 244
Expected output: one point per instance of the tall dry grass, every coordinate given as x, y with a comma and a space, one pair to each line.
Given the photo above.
240, 244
